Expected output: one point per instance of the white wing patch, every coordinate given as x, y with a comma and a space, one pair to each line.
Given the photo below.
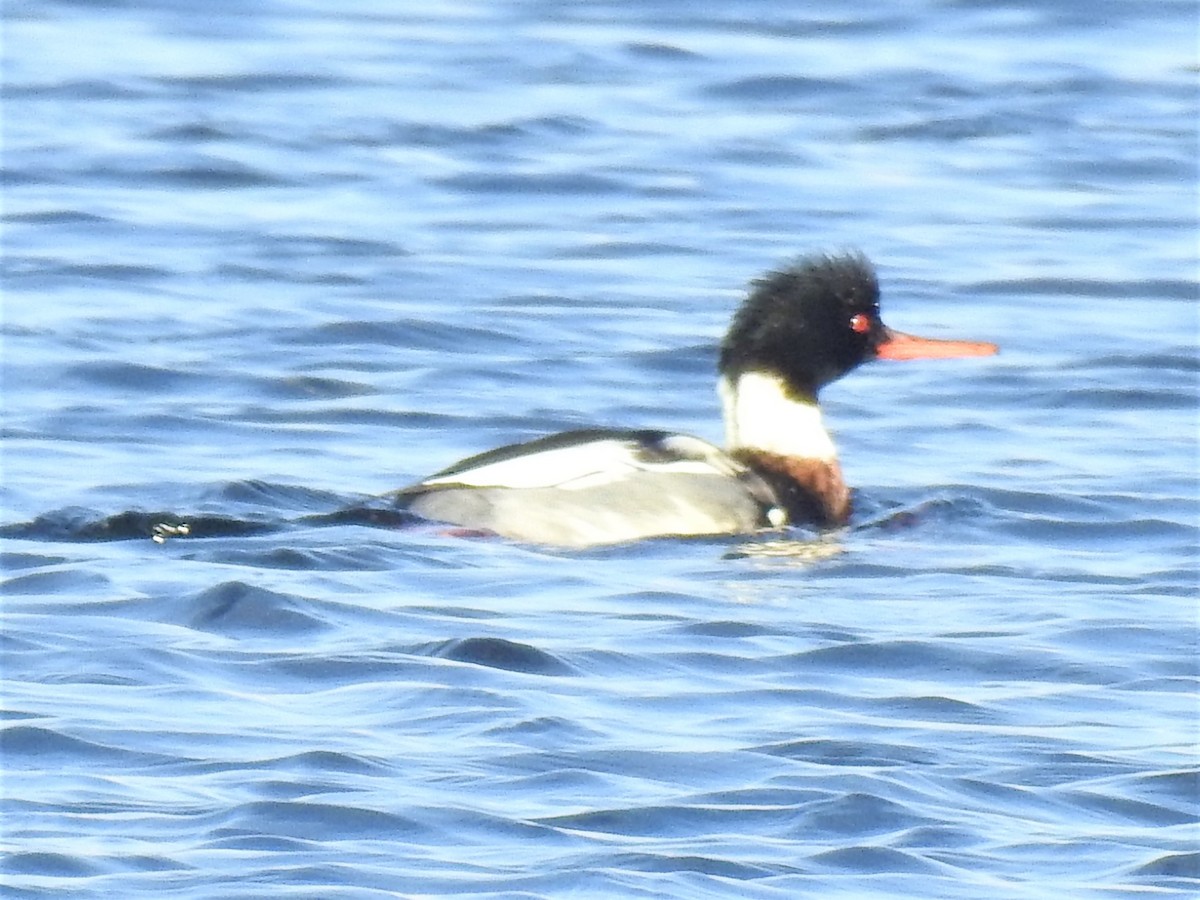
711, 460
594, 464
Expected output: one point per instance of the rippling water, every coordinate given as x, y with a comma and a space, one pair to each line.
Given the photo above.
264, 262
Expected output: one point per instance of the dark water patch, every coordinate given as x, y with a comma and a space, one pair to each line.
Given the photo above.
75, 89
56, 217
875, 861
1085, 287
498, 653
64, 581
857, 815
776, 89
236, 609
936, 709
9, 329
1101, 398
459, 613
665, 821
1006, 795
270, 495
145, 863
1159, 362
1180, 788
784, 798
704, 663
558, 125
614, 249
309, 387
760, 154
661, 52
261, 844
1179, 685
849, 753
252, 82
545, 305
193, 133
1062, 534
120, 272
696, 361
76, 524
1141, 167
659, 599
947, 130
370, 516
271, 789
662, 765
332, 669
1129, 810
1054, 519
61, 865
609, 662
476, 826
315, 821
411, 420
33, 746
1172, 865
129, 376
492, 134
13, 177
287, 273
206, 175
787, 22
732, 630
425, 134
293, 247
407, 334
565, 184
305, 763
690, 863
933, 660
1055, 769
939, 836
10, 561
545, 731
889, 516
1106, 222
153, 432
294, 558
1133, 638
50, 865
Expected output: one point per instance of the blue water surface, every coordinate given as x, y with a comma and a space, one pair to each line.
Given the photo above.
264, 262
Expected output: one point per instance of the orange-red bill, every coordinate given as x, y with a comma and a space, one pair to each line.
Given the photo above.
899, 345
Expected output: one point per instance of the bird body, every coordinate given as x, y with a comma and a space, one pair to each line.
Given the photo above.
799, 329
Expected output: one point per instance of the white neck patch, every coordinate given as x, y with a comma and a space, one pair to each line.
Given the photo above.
760, 415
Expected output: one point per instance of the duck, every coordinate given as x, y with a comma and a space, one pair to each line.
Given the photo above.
801, 327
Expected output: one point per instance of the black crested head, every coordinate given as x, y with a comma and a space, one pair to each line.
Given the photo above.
811, 323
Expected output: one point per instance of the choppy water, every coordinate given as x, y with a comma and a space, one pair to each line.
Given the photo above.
266, 260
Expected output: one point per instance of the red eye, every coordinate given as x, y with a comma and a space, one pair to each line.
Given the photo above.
860, 323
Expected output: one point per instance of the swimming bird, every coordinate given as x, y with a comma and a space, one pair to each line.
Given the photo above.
800, 328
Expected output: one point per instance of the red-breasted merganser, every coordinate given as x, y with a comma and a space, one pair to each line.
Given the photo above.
800, 328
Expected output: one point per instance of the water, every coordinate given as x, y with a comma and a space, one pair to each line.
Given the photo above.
266, 261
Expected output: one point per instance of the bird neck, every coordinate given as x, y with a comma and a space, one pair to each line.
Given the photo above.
762, 414
782, 439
